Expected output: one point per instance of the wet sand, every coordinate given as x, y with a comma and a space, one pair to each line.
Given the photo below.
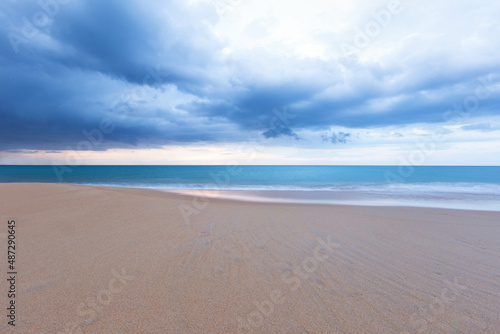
115, 260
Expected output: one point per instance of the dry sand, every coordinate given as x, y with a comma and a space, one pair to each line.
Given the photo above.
111, 260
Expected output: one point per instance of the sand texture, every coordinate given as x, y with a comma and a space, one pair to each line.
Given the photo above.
110, 260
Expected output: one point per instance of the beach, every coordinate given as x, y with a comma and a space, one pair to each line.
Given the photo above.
122, 260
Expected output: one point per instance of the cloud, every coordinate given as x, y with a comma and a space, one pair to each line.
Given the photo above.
337, 138
484, 127
170, 72
22, 151
280, 131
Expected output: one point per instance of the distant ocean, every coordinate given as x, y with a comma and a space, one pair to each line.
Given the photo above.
436, 186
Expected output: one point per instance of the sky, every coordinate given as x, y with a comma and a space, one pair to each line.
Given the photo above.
363, 82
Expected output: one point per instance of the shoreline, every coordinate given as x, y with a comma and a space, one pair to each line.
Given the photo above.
106, 260
340, 198
451, 201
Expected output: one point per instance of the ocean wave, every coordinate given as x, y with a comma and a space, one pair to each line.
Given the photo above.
401, 188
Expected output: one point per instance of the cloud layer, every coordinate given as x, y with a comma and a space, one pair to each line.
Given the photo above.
170, 72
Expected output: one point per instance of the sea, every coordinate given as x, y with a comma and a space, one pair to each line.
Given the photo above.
458, 187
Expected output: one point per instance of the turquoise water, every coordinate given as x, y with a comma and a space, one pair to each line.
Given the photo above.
380, 184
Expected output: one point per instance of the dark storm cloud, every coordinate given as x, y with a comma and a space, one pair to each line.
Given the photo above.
124, 40
280, 131
51, 95
62, 77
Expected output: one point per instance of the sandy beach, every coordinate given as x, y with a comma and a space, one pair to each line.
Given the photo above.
116, 260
